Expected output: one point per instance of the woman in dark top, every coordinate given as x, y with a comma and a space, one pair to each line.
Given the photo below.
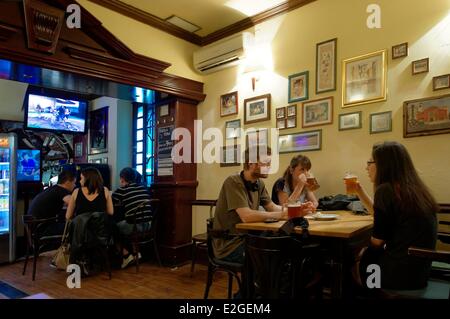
404, 216
293, 186
91, 196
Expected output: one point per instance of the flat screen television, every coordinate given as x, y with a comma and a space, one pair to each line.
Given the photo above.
28, 165
55, 113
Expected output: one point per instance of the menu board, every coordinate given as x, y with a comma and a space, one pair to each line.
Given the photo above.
164, 153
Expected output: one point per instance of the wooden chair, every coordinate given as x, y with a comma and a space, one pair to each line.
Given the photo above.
215, 264
199, 241
144, 236
35, 239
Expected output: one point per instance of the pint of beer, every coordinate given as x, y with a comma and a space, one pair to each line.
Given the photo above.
351, 184
294, 210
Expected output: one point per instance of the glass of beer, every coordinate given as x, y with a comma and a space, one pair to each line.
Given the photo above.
294, 209
351, 183
311, 182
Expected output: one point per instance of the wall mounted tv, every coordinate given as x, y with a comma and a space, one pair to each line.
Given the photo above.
55, 112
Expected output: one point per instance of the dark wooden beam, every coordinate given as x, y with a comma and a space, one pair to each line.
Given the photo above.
149, 19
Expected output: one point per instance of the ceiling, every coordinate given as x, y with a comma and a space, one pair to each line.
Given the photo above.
217, 19
209, 15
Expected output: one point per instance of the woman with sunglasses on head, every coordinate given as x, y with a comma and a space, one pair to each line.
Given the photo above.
404, 216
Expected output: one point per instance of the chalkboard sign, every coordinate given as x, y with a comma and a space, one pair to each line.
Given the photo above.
165, 145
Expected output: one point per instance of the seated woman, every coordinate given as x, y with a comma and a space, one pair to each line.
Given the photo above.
293, 187
404, 216
91, 196
89, 202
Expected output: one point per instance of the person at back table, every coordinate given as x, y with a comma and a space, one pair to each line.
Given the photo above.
50, 202
239, 200
92, 196
130, 195
404, 216
293, 186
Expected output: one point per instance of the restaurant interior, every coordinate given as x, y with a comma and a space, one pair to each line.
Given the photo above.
178, 91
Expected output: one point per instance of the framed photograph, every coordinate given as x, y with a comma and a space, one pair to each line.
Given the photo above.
164, 110
78, 149
400, 50
326, 66
426, 116
317, 112
233, 129
441, 82
300, 142
257, 136
364, 79
231, 156
292, 110
281, 112
257, 109
229, 104
298, 87
281, 124
98, 131
420, 66
350, 121
380, 122
291, 122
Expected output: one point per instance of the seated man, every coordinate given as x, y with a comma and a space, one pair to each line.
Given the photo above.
50, 202
238, 202
130, 195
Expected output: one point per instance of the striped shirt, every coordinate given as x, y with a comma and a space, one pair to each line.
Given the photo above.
131, 196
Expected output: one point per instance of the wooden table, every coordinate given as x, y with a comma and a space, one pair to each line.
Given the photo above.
338, 236
347, 225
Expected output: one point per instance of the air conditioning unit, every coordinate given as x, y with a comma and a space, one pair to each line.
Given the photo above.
222, 54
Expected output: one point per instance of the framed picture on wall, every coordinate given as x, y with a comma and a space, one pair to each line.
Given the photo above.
233, 129
291, 122
317, 112
257, 109
380, 122
426, 116
441, 82
229, 104
281, 124
420, 66
300, 142
400, 50
230, 155
98, 131
292, 110
350, 121
298, 87
364, 79
326, 66
257, 136
280, 112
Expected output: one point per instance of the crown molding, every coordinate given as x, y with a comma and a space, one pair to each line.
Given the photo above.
154, 21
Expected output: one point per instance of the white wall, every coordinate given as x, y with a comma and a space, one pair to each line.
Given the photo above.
119, 135
12, 94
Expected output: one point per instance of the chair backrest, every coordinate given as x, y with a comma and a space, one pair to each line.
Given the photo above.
211, 203
146, 212
444, 224
33, 226
214, 234
269, 266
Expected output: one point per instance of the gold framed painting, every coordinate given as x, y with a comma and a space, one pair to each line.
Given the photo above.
364, 79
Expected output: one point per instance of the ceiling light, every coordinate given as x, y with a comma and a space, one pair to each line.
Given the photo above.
183, 24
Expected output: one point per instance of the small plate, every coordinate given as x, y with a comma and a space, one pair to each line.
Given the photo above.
320, 216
